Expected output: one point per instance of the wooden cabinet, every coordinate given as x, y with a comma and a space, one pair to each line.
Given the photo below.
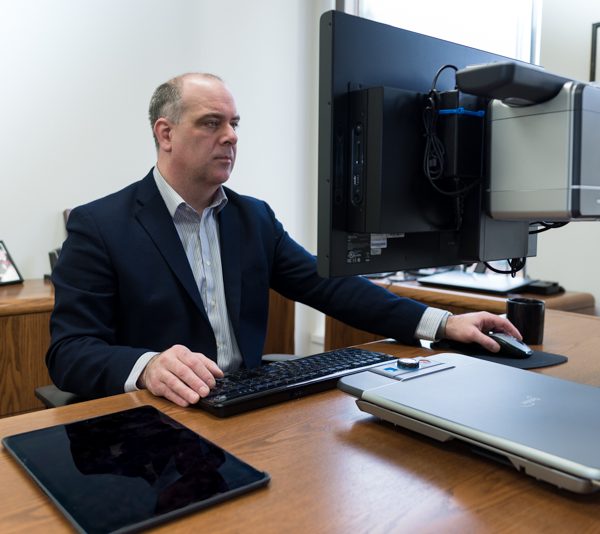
24, 338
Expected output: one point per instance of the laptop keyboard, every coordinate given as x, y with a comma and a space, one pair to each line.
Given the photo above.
247, 389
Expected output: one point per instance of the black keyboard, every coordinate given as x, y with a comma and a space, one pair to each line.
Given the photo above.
247, 389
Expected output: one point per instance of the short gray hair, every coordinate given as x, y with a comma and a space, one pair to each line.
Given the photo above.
166, 100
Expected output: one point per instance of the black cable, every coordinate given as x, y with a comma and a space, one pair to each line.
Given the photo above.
545, 226
437, 74
433, 160
515, 264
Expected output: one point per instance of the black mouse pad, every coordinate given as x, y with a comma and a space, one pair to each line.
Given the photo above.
130, 470
537, 359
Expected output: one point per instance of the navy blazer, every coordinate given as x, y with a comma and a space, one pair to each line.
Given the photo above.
123, 286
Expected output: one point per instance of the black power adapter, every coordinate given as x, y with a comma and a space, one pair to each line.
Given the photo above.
460, 128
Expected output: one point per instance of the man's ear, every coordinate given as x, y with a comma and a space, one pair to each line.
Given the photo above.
163, 131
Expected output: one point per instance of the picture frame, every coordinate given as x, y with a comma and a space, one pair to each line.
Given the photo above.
9, 274
595, 57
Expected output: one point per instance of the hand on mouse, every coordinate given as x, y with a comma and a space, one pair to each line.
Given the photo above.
471, 328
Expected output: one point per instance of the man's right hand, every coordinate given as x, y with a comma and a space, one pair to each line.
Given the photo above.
180, 375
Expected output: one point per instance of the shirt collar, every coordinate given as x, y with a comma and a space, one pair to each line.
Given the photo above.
173, 199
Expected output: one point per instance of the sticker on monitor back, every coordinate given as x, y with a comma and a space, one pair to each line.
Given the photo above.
358, 248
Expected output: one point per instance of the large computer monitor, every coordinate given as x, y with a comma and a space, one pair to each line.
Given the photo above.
377, 210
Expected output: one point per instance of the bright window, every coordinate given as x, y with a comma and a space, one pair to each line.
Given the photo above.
506, 27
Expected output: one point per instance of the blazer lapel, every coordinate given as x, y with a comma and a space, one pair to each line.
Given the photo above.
153, 215
229, 235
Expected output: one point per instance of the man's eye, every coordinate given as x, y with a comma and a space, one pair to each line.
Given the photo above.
235, 125
212, 124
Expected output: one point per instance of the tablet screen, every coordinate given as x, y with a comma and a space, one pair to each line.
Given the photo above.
130, 470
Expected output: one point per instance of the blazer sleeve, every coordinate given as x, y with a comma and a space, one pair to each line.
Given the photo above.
84, 356
353, 300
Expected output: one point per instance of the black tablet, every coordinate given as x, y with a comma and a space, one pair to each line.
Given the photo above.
130, 470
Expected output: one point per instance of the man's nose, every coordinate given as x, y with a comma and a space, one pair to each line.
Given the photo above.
230, 136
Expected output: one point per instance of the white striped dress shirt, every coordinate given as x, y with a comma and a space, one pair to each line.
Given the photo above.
199, 234
432, 325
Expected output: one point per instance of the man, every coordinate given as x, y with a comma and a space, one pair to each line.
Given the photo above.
164, 285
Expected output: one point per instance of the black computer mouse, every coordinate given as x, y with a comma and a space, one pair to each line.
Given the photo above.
511, 346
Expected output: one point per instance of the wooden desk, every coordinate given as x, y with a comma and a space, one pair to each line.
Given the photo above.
335, 469
338, 334
25, 336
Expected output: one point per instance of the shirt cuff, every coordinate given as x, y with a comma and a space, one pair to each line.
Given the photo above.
140, 365
432, 325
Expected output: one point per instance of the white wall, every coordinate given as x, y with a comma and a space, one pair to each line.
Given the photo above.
569, 255
77, 76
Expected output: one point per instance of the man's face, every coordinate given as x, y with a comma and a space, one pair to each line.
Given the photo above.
204, 143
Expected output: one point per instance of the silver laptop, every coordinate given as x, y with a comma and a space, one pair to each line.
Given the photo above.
546, 427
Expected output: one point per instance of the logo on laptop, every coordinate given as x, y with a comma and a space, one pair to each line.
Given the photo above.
530, 401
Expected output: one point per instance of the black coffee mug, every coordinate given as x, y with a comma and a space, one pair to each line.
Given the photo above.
528, 316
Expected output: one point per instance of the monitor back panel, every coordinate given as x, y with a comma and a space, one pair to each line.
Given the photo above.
356, 54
